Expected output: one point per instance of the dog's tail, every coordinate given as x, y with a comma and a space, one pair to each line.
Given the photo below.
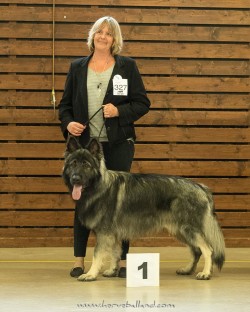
215, 239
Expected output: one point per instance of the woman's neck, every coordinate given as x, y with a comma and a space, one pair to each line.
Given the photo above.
101, 56
101, 61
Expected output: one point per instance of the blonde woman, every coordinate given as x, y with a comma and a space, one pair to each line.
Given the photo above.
104, 95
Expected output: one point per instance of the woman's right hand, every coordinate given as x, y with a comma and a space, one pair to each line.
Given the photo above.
75, 128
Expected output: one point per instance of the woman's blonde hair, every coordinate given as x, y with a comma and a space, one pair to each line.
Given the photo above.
114, 29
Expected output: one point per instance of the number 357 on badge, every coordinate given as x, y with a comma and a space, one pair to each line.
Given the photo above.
120, 86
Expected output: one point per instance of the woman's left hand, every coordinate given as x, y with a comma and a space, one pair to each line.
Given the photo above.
110, 111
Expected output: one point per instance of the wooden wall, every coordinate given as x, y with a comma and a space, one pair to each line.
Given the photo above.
194, 56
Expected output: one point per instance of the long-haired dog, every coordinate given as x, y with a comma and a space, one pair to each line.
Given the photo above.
123, 206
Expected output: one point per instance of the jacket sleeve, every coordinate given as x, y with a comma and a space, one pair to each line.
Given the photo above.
65, 105
138, 104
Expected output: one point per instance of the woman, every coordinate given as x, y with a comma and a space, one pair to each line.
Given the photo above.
104, 95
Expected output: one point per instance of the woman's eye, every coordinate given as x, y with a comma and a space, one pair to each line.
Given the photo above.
100, 32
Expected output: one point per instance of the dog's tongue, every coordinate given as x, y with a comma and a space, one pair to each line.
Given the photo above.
77, 191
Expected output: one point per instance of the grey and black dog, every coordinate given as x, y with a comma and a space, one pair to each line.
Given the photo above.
123, 206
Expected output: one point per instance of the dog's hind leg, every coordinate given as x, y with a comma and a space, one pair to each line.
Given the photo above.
191, 266
199, 246
207, 254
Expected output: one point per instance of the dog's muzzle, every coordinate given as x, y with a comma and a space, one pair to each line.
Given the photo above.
77, 187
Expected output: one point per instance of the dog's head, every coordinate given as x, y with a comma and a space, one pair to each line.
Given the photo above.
82, 165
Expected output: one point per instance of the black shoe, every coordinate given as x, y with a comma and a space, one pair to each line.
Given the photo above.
122, 272
76, 272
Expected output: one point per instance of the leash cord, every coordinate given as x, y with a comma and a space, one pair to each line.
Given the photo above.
88, 121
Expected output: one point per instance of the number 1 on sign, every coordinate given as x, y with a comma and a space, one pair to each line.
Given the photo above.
144, 268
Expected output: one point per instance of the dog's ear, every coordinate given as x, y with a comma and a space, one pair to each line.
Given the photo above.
95, 148
72, 144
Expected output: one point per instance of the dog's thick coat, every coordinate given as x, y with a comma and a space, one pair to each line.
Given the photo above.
123, 206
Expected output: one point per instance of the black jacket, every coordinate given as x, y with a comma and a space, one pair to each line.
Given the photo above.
74, 103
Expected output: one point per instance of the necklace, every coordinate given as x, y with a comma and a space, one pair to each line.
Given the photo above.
98, 75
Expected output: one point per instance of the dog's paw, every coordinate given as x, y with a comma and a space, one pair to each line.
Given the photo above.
86, 278
110, 273
203, 276
183, 271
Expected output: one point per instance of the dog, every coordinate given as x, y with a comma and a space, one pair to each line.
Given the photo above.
120, 206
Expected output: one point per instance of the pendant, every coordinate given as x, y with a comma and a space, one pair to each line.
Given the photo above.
99, 88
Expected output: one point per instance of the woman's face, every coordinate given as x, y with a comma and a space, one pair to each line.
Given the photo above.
103, 39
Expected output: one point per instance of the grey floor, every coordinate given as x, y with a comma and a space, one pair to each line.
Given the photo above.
37, 279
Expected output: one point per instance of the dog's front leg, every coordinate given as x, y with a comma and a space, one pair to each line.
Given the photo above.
114, 249
100, 254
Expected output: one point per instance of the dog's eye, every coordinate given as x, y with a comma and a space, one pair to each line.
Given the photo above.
85, 165
73, 163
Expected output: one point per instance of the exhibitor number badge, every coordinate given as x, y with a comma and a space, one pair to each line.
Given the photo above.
120, 86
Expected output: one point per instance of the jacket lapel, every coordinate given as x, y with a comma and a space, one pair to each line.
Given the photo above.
83, 77
81, 85
118, 70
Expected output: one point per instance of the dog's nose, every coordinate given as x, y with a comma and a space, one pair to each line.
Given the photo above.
76, 179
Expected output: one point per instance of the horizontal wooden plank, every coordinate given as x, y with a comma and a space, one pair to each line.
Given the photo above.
31, 133
32, 185
154, 117
29, 116
142, 151
197, 84
63, 237
232, 202
193, 168
199, 101
161, 3
47, 232
166, 84
26, 98
36, 232
193, 118
65, 218
129, 32
144, 134
36, 201
62, 241
185, 134
196, 67
31, 167
37, 99
237, 237
191, 151
132, 49
172, 242
31, 64
146, 67
36, 218
33, 150
181, 167
143, 242
225, 185
64, 201
168, 15
234, 218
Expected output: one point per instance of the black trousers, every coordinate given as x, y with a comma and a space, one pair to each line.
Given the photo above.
118, 157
